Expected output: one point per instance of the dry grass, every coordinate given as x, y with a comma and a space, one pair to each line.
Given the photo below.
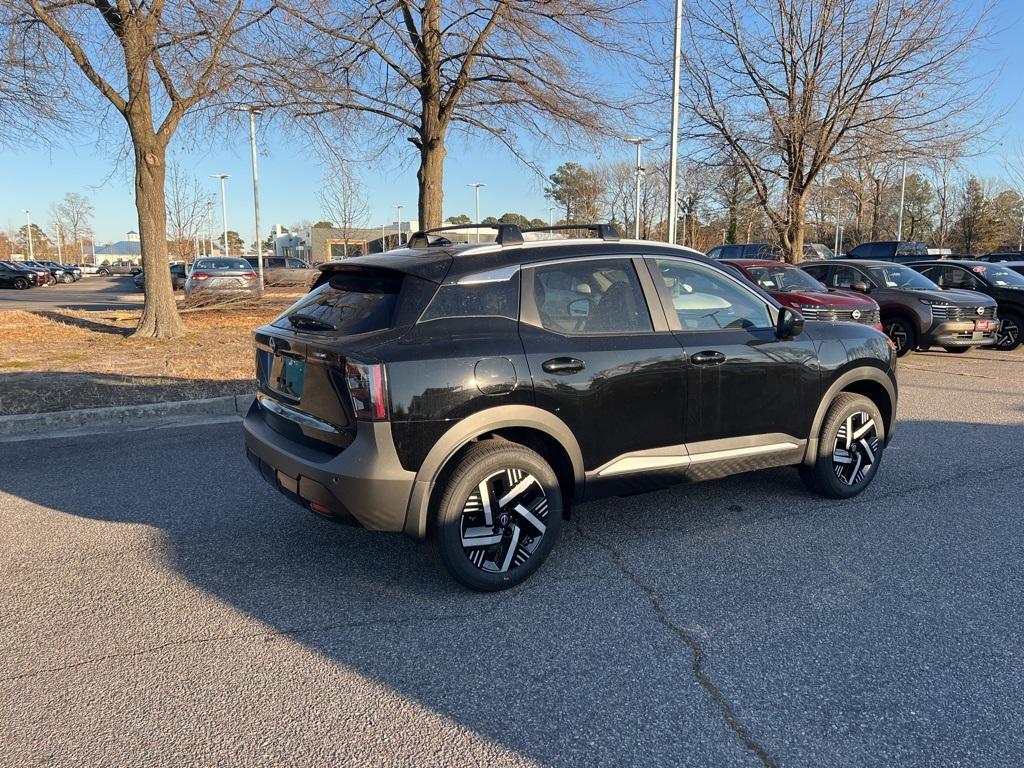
69, 359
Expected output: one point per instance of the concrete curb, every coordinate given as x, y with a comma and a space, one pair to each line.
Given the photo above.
31, 426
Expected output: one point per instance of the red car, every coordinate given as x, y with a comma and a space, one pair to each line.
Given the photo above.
792, 287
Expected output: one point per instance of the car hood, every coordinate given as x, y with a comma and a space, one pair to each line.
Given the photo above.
838, 299
964, 297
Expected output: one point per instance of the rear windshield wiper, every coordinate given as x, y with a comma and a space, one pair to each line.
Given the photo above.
309, 322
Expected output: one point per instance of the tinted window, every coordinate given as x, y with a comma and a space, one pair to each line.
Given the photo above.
860, 252
817, 272
499, 298
222, 264
705, 300
590, 297
715, 253
845, 277
296, 264
348, 303
953, 277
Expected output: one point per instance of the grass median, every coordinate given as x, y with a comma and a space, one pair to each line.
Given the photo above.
64, 359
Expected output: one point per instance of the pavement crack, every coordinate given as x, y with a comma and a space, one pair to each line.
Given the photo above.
697, 650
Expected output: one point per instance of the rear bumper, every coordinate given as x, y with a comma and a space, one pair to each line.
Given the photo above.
958, 333
364, 484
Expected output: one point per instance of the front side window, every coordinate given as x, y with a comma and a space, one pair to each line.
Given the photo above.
955, 277
706, 300
590, 297
845, 277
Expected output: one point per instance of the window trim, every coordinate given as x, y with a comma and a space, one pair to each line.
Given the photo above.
669, 309
530, 314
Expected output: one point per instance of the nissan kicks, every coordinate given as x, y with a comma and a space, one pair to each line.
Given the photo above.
472, 394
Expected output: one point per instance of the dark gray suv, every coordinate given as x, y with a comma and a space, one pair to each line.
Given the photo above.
916, 313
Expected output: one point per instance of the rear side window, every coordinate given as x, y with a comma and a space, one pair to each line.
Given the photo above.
497, 298
349, 302
590, 297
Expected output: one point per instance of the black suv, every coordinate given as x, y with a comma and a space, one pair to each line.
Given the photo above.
471, 393
900, 251
997, 280
916, 313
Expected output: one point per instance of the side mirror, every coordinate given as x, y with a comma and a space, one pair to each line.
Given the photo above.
860, 287
790, 325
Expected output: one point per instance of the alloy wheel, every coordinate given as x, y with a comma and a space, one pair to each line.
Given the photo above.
856, 448
1008, 334
896, 332
504, 520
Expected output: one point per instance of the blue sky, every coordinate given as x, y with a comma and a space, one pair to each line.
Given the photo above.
290, 175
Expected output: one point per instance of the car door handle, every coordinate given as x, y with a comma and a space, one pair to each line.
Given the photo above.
707, 357
563, 365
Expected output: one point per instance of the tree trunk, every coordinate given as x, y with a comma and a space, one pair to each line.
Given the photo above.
160, 317
794, 235
430, 180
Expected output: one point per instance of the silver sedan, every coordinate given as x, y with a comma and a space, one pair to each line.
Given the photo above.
222, 275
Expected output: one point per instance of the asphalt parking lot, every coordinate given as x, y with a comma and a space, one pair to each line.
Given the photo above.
91, 292
159, 605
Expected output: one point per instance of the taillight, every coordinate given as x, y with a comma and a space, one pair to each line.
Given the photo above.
250, 275
366, 388
199, 275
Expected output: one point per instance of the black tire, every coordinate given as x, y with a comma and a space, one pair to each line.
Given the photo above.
1008, 338
958, 350
20, 283
902, 333
522, 531
104, 272
839, 470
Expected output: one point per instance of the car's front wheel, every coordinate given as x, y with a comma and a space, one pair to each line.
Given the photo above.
498, 516
66, 278
1008, 338
850, 447
20, 283
902, 333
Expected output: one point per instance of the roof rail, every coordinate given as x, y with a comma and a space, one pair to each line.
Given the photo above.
508, 234
603, 231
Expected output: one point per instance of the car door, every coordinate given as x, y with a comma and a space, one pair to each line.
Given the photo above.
607, 366
748, 389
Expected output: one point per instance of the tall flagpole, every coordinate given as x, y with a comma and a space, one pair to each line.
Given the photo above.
674, 153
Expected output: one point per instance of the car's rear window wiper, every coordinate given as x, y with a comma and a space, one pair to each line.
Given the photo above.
309, 322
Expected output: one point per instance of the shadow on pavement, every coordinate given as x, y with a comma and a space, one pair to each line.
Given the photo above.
814, 615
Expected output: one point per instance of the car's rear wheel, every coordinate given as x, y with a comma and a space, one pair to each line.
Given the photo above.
850, 447
902, 334
66, 278
498, 516
1008, 336
20, 283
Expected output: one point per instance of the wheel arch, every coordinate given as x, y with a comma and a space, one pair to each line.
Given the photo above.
870, 382
528, 425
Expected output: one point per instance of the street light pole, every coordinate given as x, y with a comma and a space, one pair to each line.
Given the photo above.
551, 215
398, 215
255, 191
839, 204
223, 207
638, 141
674, 153
476, 187
209, 225
903, 193
60, 259
28, 230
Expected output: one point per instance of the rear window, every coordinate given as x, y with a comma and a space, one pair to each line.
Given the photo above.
222, 264
356, 301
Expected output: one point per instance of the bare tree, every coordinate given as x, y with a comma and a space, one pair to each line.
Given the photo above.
343, 202
73, 215
421, 70
186, 211
153, 63
793, 86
